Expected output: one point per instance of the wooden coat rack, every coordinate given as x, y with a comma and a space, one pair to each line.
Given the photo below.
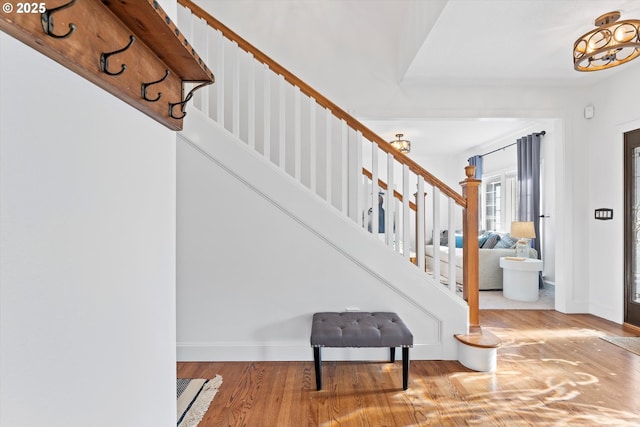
131, 49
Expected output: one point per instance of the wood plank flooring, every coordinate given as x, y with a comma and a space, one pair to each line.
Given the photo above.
553, 370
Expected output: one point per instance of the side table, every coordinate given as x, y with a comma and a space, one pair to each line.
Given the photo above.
520, 278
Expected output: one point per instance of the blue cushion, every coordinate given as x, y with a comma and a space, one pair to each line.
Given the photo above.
491, 241
506, 241
482, 238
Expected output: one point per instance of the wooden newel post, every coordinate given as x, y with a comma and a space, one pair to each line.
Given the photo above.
470, 252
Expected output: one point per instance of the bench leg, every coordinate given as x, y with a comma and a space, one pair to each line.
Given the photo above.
405, 368
317, 360
392, 354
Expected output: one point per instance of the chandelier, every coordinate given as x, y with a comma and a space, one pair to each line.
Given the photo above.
402, 145
612, 43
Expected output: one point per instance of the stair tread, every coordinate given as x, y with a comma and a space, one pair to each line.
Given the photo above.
479, 338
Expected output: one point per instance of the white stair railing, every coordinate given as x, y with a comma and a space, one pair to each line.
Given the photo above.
325, 149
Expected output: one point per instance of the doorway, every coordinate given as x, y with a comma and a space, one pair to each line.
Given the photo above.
632, 228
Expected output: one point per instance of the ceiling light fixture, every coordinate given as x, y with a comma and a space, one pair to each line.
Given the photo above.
612, 43
402, 145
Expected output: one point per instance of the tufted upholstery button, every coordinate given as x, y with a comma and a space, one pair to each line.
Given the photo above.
359, 329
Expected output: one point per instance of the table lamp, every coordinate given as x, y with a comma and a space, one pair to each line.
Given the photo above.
524, 232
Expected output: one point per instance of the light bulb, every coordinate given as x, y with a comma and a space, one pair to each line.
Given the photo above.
624, 33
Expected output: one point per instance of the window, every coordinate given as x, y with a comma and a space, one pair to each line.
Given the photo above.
499, 198
493, 204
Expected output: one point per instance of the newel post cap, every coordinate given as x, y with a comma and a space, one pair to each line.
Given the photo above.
470, 171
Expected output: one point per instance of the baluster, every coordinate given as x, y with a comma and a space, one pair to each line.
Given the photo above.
396, 223
328, 172
204, 104
297, 144
282, 136
266, 113
406, 211
344, 174
452, 245
185, 20
354, 176
251, 103
420, 223
235, 89
388, 221
220, 78
198, 32
188, 30
374, 191
436, 232
212, 54
364, 190
313, 151
357, 179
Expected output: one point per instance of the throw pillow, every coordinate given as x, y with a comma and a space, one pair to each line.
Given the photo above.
482, 238
444, 238
491, 241
506, 241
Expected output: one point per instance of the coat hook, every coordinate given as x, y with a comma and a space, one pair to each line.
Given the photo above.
183, 103
47, 21
104, 59
146, 85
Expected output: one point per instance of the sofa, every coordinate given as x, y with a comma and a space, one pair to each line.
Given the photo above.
489, 261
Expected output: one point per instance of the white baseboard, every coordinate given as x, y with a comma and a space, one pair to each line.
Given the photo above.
215, 352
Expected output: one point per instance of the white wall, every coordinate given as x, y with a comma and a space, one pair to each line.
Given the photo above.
87, 252
580, 149
571, 173
258, 254
616, 111
550, 147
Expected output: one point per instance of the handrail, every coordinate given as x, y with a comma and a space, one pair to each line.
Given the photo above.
384, 186
323, 101
468, 200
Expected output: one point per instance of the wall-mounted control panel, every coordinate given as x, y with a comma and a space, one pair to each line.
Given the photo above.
604, 213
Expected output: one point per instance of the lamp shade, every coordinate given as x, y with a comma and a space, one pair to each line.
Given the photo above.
523, 230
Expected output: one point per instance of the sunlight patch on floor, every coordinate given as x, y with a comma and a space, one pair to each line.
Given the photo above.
512, 397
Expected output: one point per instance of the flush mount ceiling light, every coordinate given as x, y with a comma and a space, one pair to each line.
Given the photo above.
612, 43
402, 145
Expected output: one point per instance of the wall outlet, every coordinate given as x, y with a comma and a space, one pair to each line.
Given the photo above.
352, 309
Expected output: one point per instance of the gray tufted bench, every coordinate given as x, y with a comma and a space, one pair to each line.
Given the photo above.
360, 329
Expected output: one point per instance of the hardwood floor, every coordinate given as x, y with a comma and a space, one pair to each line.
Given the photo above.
553, 370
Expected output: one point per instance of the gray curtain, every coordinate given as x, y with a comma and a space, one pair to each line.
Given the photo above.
477, 162
529, 183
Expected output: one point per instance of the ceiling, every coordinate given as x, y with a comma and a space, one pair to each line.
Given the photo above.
442, 137
362, 46
520, 41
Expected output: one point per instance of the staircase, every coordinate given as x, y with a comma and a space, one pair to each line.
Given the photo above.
325, 171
